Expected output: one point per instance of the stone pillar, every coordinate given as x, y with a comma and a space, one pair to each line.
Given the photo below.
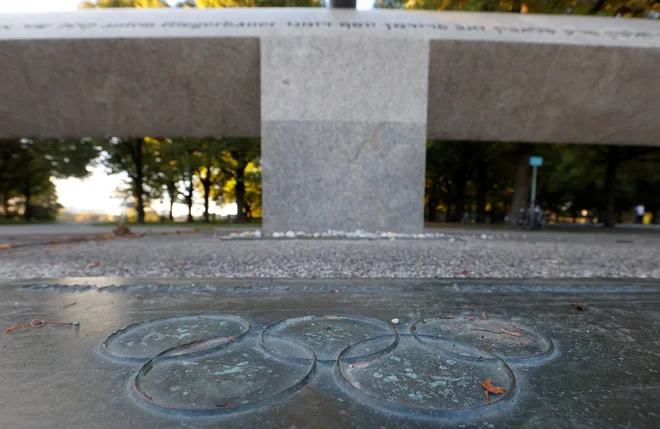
343, 125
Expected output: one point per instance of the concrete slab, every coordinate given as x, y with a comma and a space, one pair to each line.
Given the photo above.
284, 353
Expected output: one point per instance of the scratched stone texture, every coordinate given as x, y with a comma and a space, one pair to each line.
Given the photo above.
495, 91
343, 143
129, 87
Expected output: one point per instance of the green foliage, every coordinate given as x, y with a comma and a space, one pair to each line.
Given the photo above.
122, 3
27, 168
252, 3
622, 8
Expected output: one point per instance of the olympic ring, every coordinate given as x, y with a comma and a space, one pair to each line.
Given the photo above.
208, 364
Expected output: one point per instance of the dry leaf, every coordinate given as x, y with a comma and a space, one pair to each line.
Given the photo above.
451, 316
491, 388
580, 306
231, 339
93, 265
515, 334
483, 316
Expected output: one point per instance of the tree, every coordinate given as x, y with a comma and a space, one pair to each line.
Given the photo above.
239, 153
251, 205
252, 3
122, 3
27, 167
613, 157
137, 159
210, 171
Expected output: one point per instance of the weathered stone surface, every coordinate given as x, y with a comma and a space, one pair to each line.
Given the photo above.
354, 79
263, 361
342, 138
543, 93
129, 87
72, 74
343, 175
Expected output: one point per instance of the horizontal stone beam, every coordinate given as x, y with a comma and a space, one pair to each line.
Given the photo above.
503, 77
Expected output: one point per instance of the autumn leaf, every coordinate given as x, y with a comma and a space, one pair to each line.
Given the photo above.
491, 388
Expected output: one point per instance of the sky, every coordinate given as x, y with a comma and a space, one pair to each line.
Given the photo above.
97, 192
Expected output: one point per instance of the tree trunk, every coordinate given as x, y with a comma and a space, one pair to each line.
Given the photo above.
5, 206
482, 190
241, 215
612, 159
450, 204
171, 191
27, 212
520, 186
206, 186
431, 205
459, 205
189, 200
460, 180
207, 191
596, 7
139, 180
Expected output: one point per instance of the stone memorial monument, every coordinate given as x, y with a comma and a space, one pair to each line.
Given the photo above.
343, 101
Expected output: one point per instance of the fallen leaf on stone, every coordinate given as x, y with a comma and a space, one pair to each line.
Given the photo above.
93, 265
483, 316
451, 316
515, 334
580, 306
491, 388
231, 339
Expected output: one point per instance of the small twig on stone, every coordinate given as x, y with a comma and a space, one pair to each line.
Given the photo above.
485, 330
37, 323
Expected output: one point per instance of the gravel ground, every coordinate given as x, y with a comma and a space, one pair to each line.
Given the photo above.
203, 255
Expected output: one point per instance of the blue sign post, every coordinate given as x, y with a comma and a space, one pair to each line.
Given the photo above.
534, 161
